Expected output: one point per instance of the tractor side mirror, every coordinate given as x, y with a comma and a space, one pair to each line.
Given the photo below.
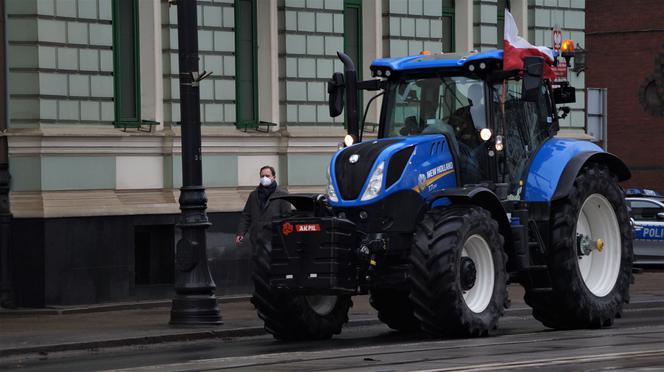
335, 91
564, 94
533, 70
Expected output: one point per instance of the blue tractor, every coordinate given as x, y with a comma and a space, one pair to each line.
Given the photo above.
464, 190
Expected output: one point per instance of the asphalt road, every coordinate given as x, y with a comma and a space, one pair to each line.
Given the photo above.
636, 341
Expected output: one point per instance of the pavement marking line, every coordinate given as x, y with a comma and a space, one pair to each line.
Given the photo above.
429, 345
547, 362
307, 356
304, 356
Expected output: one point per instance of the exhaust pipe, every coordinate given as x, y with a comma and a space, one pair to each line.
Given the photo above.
350, 77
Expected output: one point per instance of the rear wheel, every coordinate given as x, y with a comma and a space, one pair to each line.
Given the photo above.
294, 317
394, 309
458, 273
590, 259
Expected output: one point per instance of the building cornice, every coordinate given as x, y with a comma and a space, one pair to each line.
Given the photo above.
91, 203
222, 140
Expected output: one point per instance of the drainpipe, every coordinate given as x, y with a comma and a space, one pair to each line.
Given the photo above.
7, 299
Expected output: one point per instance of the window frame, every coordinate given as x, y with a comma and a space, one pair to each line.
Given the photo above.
252, 124
120, 73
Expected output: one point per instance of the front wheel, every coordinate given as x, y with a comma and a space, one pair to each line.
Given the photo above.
292, 317
458, 274
590, 259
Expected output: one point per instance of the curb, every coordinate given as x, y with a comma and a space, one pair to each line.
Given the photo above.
151, 340
233, 333
100, 308
134, 341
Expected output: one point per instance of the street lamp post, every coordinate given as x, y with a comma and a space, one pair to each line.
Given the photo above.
195, 302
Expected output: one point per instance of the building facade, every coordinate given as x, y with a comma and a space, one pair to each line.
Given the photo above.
93, 111
626, 56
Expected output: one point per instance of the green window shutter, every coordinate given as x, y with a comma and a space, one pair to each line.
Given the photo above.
448, 26
246, 67
501, 23
353, 32
126, 64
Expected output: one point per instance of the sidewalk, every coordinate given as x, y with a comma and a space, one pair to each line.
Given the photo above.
87, 328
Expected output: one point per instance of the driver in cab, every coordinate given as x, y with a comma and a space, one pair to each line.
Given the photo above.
464, 123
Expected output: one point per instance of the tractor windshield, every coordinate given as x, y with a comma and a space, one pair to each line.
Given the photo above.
449, 105
432, 105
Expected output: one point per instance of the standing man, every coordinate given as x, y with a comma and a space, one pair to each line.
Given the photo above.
259, 210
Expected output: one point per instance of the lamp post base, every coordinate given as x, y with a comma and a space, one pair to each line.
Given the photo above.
194, 310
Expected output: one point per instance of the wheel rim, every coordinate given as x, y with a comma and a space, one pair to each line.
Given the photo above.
321, 305
599, 269
477, 298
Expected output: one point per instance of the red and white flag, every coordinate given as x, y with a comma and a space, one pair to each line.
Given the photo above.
515, 48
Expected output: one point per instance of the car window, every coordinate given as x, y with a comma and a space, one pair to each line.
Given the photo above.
644, 210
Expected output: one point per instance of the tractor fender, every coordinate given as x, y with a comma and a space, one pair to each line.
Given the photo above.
302, 202
480, 196
557, 163
310, 204
574, 166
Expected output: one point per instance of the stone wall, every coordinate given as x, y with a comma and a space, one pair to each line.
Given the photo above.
411, 26
216, 44
570, 16
60, 62
310, 34
485, 20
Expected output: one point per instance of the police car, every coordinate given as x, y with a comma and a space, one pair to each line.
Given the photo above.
647, 215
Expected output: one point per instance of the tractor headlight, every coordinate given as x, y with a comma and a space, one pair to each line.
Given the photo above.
375, 183
331, 193
349, 140
485, 134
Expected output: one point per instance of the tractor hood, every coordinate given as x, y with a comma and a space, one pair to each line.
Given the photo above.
369, 171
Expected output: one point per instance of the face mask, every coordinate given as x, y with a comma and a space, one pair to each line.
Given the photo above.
266, 181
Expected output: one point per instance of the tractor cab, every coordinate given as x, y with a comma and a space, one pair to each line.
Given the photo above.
478, 108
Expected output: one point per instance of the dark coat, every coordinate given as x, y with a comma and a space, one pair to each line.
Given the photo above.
254, 218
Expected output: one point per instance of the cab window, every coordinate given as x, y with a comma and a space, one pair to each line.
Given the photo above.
642, 210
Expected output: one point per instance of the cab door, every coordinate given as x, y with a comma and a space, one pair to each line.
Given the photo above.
523, 125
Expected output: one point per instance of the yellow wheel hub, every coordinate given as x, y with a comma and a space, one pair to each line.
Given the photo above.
600, 244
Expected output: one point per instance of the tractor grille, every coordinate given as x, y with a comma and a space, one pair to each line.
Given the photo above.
351, 177
397, 164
